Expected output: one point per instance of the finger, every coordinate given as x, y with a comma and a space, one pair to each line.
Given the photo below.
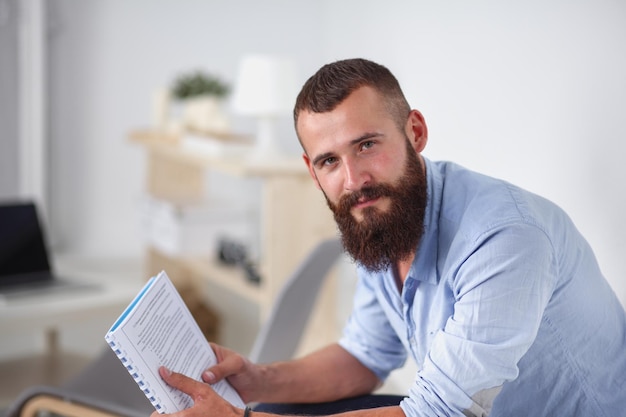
225, 366
181, 382
209, 377
230, 365
216, 372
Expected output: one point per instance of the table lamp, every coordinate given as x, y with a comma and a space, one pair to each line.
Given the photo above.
266, 88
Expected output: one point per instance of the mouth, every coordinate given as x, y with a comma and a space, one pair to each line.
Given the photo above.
363, 206
364, 202
359, 202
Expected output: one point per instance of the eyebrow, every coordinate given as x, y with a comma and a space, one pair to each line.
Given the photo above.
361, 138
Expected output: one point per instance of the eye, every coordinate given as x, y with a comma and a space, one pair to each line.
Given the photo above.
327, 161
365, 145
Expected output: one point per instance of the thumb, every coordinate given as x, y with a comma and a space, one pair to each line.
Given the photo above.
212, 375
228, 364
217, 372
221, 370
209, 377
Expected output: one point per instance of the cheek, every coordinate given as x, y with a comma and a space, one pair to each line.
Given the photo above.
331, 187
391, 168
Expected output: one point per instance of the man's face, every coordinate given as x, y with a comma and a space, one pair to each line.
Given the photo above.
371, 175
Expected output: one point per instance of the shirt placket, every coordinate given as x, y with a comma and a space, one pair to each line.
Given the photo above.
408, 293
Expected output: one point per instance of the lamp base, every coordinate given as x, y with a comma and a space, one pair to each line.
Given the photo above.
266, 137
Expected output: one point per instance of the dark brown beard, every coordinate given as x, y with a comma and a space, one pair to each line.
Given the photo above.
381, 239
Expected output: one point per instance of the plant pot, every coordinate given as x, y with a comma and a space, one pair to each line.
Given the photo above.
205, 114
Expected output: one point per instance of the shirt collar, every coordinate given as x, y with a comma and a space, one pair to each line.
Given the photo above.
424, 266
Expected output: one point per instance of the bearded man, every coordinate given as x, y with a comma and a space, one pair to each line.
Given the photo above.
490, 289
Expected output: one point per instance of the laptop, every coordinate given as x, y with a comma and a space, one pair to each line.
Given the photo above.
25, 267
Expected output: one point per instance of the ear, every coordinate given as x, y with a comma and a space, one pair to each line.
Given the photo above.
309, 165
416, 130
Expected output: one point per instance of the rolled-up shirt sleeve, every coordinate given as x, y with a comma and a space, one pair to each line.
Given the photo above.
368, 335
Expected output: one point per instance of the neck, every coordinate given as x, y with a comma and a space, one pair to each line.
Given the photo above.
401, 271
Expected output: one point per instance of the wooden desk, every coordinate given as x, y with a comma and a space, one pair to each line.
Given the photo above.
116, 287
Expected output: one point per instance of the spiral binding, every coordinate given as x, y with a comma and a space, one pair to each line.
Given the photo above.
133, 373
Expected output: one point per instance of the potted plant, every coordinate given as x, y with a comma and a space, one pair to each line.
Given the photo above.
202, 95
199, 83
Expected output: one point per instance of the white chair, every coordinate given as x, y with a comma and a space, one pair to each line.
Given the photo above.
105, 389
279, 336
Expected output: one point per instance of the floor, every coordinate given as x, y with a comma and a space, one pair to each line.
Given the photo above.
42, 369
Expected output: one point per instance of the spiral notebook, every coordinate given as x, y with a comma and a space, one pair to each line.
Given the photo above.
157, 329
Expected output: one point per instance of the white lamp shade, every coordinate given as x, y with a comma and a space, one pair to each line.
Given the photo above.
265, 86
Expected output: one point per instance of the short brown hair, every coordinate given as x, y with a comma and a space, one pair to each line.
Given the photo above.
333, 82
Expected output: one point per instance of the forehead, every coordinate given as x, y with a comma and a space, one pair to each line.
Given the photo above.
363, 111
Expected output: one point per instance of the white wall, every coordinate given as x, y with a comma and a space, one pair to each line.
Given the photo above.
530, 91
9, 121
107, 57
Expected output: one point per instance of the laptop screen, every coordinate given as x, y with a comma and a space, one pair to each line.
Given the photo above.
23, 255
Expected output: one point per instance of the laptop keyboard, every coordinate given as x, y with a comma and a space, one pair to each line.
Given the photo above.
43, 288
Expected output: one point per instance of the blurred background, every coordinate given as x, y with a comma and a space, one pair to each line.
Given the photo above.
531, 91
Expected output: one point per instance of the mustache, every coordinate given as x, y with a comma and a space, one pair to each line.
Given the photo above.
366, 193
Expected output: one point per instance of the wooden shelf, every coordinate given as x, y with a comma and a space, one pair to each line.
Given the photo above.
239, 164
228, 277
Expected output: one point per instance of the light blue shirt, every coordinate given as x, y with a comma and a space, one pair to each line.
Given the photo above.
504, 310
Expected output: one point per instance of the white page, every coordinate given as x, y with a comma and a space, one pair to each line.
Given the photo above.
158, 329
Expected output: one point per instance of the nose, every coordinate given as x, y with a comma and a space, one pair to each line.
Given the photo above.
355, 176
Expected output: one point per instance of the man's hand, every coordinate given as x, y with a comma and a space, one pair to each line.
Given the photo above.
243, 375
206, 402
328, 374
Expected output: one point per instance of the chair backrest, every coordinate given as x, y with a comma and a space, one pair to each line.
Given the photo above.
103, 389
280, 334
105, 380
